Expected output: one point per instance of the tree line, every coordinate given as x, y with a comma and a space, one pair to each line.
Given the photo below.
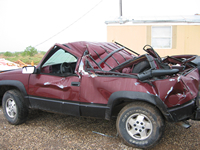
29, 51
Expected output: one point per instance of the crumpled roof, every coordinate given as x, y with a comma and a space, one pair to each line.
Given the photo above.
80, 47
102, 55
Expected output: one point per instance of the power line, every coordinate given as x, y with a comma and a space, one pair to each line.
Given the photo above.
70, 24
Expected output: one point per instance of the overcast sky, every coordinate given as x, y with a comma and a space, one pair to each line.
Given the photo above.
26, 23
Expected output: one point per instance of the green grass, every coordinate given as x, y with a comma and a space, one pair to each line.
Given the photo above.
26, 59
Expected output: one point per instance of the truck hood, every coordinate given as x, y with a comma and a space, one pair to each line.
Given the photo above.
14, 71
13, 75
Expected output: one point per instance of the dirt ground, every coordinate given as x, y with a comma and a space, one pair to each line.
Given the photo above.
44, 130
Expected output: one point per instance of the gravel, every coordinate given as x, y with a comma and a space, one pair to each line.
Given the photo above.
44, 130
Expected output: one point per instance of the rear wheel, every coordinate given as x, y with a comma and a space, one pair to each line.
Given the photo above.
140, 125
14, 108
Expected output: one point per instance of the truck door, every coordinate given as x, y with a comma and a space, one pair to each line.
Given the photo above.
55, 87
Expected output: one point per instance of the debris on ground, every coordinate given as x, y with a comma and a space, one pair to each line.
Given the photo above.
8, 65
21, 63
101, 134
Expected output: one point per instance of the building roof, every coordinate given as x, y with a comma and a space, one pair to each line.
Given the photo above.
193, 19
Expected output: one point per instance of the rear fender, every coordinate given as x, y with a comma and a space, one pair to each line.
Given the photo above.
131, 96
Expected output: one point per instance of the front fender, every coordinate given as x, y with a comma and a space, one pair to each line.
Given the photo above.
18, 85
131, 96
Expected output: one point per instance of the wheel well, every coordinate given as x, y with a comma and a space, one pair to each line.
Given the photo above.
5, 88
123, 102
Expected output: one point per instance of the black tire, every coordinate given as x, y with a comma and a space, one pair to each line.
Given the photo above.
14, 108
140, 125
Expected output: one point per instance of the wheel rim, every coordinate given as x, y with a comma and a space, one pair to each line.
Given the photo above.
11, 108
139, 126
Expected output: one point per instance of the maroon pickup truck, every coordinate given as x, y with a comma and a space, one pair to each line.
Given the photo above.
107, 80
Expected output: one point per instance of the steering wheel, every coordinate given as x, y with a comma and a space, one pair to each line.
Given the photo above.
65, 68
149, 49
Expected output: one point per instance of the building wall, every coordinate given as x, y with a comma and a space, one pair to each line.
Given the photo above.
185, 38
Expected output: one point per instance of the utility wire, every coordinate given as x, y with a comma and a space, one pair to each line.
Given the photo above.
70, 24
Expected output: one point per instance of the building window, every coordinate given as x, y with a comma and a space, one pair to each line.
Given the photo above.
161, 37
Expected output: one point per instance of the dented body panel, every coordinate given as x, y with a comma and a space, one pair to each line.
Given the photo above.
93, 79
54, 87
178, 90
102, 87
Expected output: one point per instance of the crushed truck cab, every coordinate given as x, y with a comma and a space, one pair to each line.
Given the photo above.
107, 80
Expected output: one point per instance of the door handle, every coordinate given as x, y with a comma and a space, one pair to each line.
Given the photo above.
75, 84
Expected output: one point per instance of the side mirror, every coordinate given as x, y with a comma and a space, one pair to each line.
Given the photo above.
29, 69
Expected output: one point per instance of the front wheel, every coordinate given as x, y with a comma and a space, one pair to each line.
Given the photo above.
140, 125
14, 108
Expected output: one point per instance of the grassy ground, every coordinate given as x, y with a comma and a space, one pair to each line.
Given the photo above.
26, 59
